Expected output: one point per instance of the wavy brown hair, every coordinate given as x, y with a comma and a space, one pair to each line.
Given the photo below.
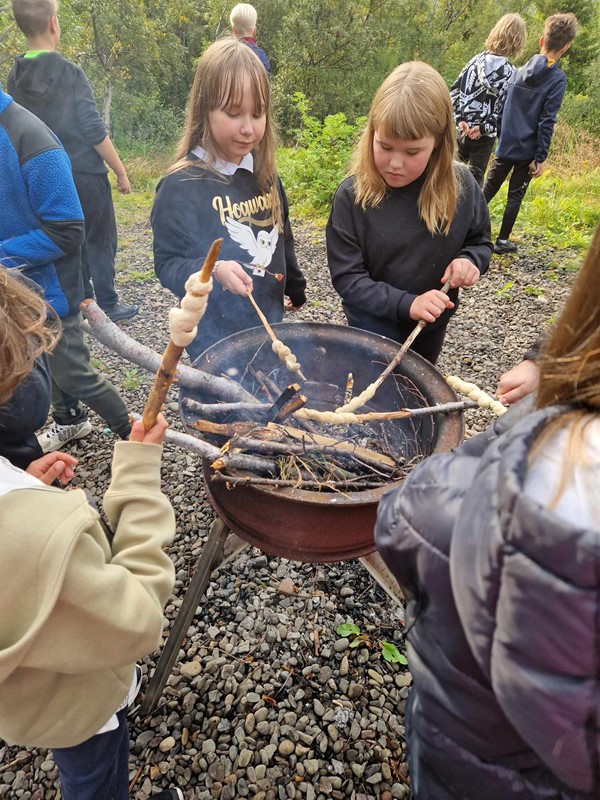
508, 36
570, 363
413, 102
24, 331
219, 83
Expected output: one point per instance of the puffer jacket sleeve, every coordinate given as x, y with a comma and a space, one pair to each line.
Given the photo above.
527, 591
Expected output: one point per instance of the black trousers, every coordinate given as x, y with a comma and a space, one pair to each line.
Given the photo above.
476, 153
517, 187
100, 246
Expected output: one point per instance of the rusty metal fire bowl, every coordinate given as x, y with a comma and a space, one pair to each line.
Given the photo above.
319, 526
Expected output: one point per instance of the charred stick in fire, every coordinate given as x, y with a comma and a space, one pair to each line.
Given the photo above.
282, 351
213, 454
183, 323
346, 456
339, 486
271, 386
293, 405
349, 388
366, 395
288, 394
116, 339
224, 409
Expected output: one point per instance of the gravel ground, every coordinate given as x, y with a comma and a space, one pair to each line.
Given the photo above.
266, 701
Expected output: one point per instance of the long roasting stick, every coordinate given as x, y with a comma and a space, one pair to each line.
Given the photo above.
366, 395
166, 372
287, 357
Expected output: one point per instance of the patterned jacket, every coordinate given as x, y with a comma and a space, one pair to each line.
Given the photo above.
478, 92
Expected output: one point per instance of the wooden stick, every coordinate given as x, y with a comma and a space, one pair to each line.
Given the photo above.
366, 395
170, 359
348, 418
116, 339
269, 329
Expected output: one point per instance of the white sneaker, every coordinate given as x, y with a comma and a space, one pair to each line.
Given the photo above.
54, 437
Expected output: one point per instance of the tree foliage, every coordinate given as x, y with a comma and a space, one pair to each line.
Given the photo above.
140, 55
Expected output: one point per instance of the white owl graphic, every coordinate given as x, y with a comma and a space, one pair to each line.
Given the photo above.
260, 247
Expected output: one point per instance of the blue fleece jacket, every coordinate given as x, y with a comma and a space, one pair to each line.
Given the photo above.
534, 95
41, 224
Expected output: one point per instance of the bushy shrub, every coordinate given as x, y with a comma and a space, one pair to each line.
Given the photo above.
312, 170
143, 124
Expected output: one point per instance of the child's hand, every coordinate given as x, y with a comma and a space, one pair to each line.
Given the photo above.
518, 382
535, 169
155, 435
461, 272
463, 128
53, 466
233, 277
475, 132
123, 184
430, 306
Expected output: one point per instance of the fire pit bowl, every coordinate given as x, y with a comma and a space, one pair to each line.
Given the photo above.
325, 526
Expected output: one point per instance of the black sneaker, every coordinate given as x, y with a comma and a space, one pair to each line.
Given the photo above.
168, 794
121, 311
504, 246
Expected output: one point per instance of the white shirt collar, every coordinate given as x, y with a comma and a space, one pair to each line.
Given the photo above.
222, 166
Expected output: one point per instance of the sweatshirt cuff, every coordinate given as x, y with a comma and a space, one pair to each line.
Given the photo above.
135, 462
298, 297
404, 306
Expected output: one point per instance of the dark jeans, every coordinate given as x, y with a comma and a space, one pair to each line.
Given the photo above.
428, 343
100, 245
74, 377
517, 186
96, 769
476, 153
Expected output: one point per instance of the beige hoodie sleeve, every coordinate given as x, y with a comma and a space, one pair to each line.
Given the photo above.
110, 612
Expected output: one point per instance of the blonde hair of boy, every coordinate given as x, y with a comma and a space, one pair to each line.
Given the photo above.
559, 31
413, 102
24, 331
32, 16
243, 19
507, 37
218, 83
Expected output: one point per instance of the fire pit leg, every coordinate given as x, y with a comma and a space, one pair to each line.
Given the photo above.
376, 566
209, 559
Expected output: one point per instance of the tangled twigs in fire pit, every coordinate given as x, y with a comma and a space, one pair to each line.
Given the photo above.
115, 338
283, 353
183, 324
366, 395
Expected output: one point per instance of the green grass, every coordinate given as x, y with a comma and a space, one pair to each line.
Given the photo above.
560, 209
557, 212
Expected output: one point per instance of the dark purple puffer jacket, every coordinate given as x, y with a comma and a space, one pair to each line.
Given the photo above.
503, 631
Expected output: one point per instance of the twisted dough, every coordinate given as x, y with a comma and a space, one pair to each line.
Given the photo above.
285, 355
183, 321
473, 392
332, 417
358, 401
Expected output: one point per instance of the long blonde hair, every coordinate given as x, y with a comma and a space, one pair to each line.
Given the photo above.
413, 102
508, 36
570, 363
218, 83
24, 331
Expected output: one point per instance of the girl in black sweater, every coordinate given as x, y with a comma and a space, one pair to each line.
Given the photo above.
409, 218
